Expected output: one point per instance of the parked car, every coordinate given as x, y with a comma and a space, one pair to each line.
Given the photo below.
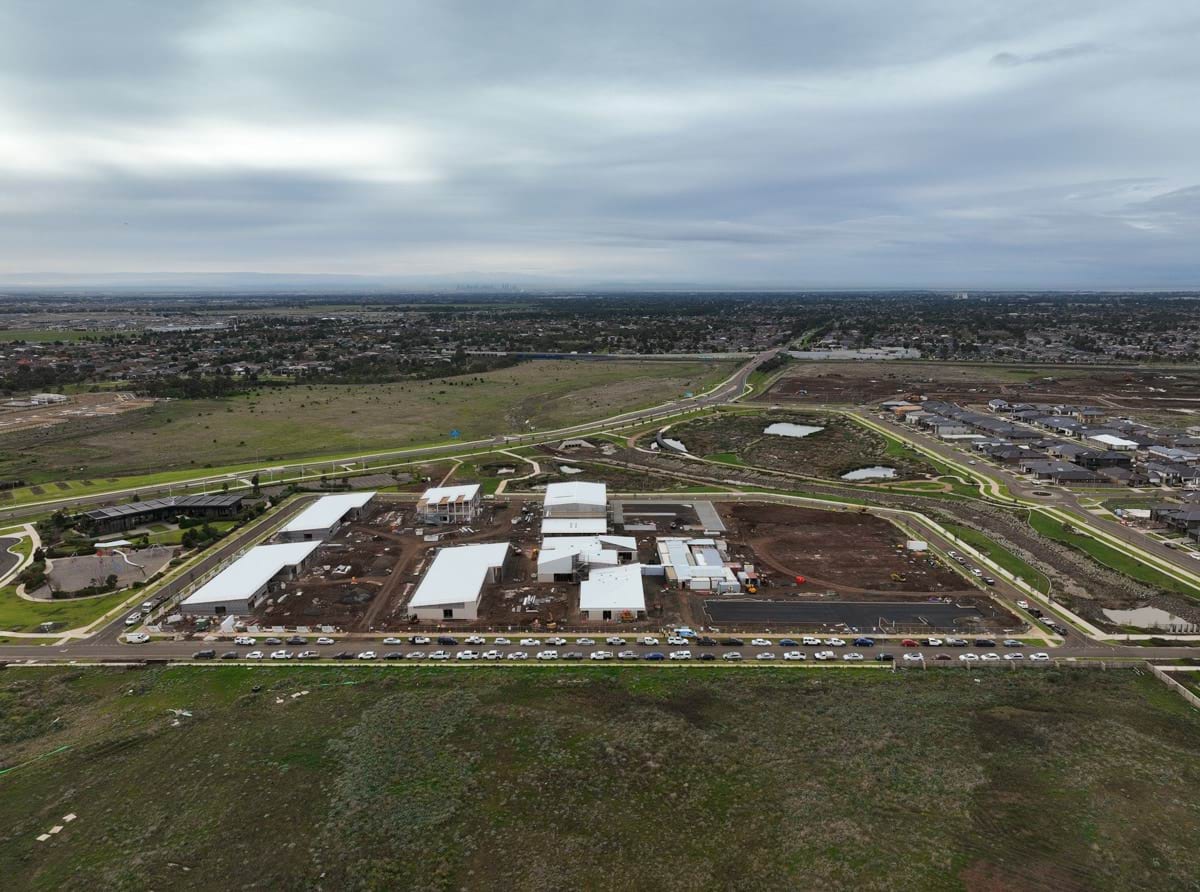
501, 642
834, 642
884, 658
585, 642
281, 655
204, 655
732, 642
1039, 657
909, 642
764, 655
864, 642
615, 640
273, 642
1014, 655
467, 655
654, 656
707, 656
491, 655
677, 641
418, 639
600, 655
915, 658
393, 640
134, 618
991, 657
448, 640
343, 655
824, 655
518, 655
325, 640
366, 655
556, 641
731, 656
956, 642
788, 642
254, 655
573, 655
810, 641
933, 642
297, 639
648, 640
705, 641
1024, 605
852, 657
307, 655
984, 642
760, 642
475, 639
230, 655
627, 655
137, 637
244, 640
792, 655
969, 657
436, 655
680, 655
1012, 642
547, 655
415, 655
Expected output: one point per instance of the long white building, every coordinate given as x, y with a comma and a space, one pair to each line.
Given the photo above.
613, 594
575, 509
243, 585
454, 582
321, 519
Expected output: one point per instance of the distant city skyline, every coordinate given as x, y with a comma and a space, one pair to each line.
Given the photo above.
946, 145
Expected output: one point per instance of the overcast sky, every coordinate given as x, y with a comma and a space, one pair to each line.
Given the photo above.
959, 143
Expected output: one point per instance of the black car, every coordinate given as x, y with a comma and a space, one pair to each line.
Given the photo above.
230, 655
1036, 611
446, 639
343, 655
942, 657
732, 642
707, 656
705, 641
393, 655
884, 658
296, 639
789, 642
984, 642
272, 642
204, 655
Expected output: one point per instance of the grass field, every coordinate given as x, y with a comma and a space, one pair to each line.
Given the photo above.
50, 335
1107, 555
1002, 556
297, 422
594, 778
20, 615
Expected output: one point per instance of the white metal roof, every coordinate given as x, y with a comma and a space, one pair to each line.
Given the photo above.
592, 550
574, 526
1110, 440
456, 574
326, 511
576, 492
251, 571
613, 588
435, 495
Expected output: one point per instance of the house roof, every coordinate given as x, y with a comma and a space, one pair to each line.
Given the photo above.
576, 493
442, 495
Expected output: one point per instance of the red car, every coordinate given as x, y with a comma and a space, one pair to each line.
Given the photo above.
909, 642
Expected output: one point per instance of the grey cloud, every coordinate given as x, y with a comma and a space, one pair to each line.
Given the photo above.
1059, 54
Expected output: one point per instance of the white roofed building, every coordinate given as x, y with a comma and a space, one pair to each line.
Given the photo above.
564, 558
575, 509
321, 519
696, 564
450, 504
613, 593
241, 586
454, 582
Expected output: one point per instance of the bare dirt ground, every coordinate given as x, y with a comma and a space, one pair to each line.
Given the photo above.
858, 383
843, 551
81, 406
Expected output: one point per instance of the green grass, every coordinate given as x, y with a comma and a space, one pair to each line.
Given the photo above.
49, 336
1107, 555
294, 423
20, 615
725, 458
590, 778
1002, 556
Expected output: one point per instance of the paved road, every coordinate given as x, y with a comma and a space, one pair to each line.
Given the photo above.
184, 650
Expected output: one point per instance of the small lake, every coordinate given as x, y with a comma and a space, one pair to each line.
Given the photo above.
875, 472
787, 429
1145, 618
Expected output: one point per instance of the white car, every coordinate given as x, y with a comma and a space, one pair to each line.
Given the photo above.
1015, 655
915, 658
990, 657
679, 655
254, 655
1039, 657
475, 639
586, 642
415, 655
547, 655
648, 640
325, 640
307, 655
244, 641
732, 656
792, 655
852, 657
466, 655
969, 658
825, 655
137, 637
765, 655
615, 640
934, 642
491, 655
676, 641
391, 639
628, 655
501, 642
760, 642
600, 655
436, 655
975, 571
530, 642
834, 642
1024, 605
281, 655
134, 618
367, 655
556, 641
518, 655
809, 641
